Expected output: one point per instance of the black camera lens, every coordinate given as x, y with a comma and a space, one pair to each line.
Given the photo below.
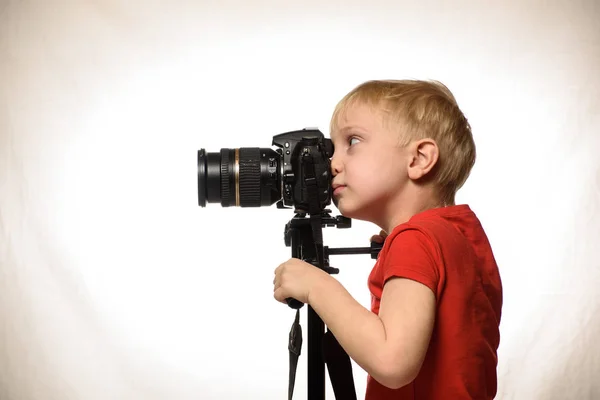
244, 177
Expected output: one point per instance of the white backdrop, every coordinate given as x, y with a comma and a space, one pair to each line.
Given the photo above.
116, 285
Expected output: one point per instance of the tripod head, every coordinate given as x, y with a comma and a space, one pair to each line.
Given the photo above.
300, 233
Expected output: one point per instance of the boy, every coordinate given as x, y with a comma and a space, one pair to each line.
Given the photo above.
402, 150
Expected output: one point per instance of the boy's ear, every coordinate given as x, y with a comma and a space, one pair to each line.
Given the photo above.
424, 155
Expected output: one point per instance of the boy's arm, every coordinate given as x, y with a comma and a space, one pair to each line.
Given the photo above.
390, 347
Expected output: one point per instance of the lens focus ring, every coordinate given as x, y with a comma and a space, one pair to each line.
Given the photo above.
249, 182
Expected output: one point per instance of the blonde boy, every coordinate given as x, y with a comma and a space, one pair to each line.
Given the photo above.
402, 150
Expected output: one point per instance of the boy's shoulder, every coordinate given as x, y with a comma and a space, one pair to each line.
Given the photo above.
440, 220
439, 227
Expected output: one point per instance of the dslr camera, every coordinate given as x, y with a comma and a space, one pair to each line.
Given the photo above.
296, 174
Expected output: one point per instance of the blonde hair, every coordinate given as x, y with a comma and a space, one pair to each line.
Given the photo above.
422, 109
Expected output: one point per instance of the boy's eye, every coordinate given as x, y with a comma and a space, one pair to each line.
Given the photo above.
351, 139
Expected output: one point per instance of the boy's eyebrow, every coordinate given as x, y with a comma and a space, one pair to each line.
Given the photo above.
339, 132
350, 128
347, 128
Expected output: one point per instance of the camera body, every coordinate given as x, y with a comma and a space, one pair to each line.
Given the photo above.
297, 174
305, 155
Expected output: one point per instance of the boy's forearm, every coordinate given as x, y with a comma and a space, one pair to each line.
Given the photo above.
359, 331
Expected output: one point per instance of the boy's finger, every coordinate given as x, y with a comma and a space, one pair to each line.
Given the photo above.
376, 238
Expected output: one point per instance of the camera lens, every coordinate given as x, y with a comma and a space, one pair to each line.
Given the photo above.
244, 177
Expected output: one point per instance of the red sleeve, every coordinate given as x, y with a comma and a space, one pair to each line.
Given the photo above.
411, 255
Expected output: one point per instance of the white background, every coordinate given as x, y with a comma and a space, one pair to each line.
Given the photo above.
114, 284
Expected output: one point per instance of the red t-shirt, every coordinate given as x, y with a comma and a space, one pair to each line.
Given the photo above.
447, 250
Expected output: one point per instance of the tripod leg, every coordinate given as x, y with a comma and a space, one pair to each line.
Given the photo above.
316, 366
339, 367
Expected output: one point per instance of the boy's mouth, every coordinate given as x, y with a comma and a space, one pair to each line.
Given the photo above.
337, 189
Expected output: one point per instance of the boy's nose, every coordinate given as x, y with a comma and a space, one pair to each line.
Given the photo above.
336, 166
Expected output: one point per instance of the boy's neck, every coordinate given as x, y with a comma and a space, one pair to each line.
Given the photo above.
408, 204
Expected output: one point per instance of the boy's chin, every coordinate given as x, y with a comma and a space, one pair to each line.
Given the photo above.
346, 211
336, 203
353, 213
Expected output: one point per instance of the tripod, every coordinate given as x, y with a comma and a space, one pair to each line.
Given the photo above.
304, 235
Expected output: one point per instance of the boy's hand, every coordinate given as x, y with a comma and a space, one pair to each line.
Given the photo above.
379, 238
295, 278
